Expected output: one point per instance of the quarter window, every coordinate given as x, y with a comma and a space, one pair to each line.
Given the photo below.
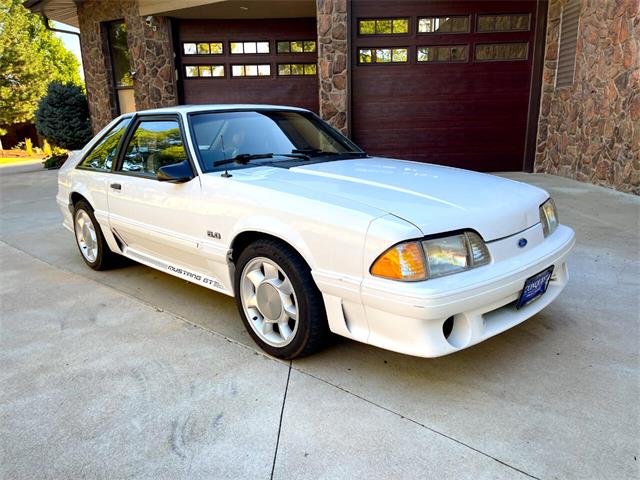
102, 155
296, 46
296, 69
251, 70
519, 22
495, 52
154, 144
206, 48
450, 24
383, 26
382, 55
443, 53
239, 48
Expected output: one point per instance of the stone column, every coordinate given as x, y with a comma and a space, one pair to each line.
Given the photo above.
332, 62
150, 51
590, 131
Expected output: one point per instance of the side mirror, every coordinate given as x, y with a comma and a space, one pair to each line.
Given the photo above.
175, 173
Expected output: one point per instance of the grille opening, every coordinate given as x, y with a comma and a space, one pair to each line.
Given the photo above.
447, 327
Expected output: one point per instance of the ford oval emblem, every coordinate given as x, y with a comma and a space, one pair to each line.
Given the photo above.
522, 242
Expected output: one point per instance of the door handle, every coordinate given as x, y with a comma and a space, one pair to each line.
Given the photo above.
116, 186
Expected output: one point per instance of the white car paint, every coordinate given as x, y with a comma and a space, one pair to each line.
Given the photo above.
340, 216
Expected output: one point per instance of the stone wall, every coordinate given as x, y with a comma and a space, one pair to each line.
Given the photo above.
150, 50
590, 131
332, 62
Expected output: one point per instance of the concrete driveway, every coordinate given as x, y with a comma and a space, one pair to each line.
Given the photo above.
135, 374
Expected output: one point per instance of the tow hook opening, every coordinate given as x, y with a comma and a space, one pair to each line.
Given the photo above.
447, 327
457, 330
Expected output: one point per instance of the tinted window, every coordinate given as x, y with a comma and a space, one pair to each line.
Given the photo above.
154, 144
102, 155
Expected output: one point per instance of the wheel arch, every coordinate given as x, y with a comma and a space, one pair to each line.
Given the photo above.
244, 238
76, 197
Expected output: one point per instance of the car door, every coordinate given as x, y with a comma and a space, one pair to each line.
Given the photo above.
92, 173
155, 219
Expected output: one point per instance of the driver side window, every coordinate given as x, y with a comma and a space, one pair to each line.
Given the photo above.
154, 144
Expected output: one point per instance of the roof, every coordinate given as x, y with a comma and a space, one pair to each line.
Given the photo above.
220, 107
63, 11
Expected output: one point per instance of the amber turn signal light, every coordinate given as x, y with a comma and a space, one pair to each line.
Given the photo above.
404, 261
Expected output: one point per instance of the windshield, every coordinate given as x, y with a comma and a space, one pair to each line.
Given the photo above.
220, 136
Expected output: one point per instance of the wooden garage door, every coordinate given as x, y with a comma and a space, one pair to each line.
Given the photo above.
249, 61
443, 82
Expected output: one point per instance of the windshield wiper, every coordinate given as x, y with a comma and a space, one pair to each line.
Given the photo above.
245, 158
318, 152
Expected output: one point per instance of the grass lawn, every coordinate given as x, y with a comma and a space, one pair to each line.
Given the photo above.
4, 161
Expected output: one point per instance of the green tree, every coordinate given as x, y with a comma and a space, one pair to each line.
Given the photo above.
63, 116
30, 58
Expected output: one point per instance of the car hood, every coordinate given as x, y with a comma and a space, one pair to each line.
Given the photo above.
434, 198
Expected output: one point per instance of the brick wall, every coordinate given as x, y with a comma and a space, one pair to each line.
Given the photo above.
590, 131
150, 51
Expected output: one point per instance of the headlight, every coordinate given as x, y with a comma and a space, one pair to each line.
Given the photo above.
431, 258
549, 217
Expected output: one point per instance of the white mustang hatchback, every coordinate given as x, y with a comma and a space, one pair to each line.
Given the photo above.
273, 206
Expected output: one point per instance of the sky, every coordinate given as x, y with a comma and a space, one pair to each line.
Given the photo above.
72, 42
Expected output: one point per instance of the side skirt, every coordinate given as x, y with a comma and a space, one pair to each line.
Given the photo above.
176, 270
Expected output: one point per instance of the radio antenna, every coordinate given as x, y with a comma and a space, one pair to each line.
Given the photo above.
226, 173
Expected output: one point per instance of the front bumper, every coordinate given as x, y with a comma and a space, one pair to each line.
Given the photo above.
409, 317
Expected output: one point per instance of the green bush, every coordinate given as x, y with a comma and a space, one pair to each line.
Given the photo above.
55, 160
63, 116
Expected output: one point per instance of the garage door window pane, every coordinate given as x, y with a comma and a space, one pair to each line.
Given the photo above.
382, 55
399, 55
215, 48
217, 70
283, 47
297, 47
367, 27
236, 48
263, 47
250, 70
203, 49
459, 54
383, 26
494, 52
250, 47
443, 53
189, 48
310, 46
284, 70
191, 71
205, 71
518, 22
401, 26
451, 24
365, 55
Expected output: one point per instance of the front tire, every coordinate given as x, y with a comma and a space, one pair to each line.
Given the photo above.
93, 248
279, 303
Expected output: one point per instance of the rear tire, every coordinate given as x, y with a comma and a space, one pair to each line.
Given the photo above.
93, 248
280, 304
